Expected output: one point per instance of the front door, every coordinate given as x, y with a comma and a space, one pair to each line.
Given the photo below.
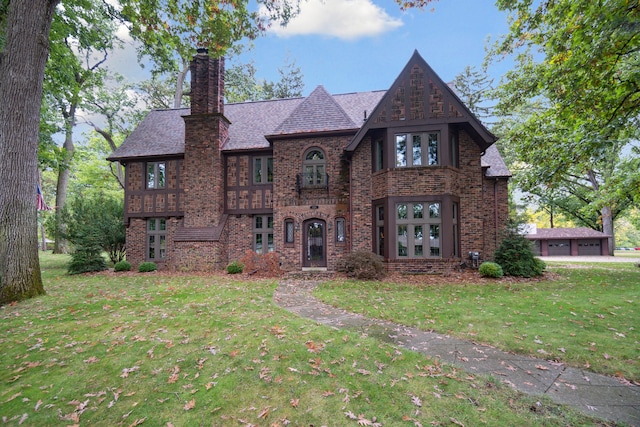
314, 244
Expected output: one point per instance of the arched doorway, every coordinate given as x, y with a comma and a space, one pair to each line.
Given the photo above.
315, 248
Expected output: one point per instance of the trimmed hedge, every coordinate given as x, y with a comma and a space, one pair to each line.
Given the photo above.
146, 267
122, 266
490, 269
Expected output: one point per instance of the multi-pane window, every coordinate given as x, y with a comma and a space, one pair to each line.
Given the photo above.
456, 246
380, 230
415, 222
289, 234
263, 234
262, 170
156, 174
314, 168
341, 233
417, 149
156, 239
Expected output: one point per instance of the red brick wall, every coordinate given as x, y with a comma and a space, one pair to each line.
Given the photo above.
328, 204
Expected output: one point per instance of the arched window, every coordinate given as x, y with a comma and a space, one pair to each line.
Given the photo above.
314, 170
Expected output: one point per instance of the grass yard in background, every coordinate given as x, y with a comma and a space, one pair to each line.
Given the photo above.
159, 349
585, 315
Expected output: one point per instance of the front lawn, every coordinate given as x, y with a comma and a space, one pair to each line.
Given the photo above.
585, 315
159, 349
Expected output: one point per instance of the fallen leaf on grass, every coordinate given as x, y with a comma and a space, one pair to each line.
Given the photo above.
264, 412
190, 405
137, 422
294, 402
416, 401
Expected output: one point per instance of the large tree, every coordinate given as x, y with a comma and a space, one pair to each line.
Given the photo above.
82, 37
573, 100
25, 25
24, 40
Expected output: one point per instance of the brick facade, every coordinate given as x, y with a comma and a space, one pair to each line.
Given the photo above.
213, 195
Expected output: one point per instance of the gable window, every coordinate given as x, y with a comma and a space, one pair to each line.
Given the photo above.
341, 234
415, 222
289, 234
314, 168
156, 175
263, 234
156, 239
262, 170
417, 149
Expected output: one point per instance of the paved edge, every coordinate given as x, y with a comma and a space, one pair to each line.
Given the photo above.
594, 394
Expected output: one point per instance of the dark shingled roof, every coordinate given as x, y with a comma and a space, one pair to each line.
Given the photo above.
161, 133
319, 112
567, 233
492, 160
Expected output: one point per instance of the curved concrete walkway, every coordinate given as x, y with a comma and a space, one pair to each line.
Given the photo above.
597, 395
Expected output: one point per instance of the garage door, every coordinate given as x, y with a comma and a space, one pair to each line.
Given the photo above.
589, 247
559, 247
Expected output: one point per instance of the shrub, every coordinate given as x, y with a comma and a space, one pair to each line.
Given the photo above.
515, 256
122, 266
362, 265
235, 267
490, 269
86, 259
146, 267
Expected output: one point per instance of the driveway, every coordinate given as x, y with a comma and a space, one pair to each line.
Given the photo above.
591, 258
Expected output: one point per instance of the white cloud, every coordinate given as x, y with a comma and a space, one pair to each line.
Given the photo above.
343, 19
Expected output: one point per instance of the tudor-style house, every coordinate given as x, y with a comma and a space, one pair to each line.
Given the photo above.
408, 173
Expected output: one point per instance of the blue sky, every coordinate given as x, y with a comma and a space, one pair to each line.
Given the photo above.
361, 45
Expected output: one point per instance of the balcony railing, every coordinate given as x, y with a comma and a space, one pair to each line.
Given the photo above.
311, 180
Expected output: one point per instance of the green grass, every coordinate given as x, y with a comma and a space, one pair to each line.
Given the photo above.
157, 349
585, 316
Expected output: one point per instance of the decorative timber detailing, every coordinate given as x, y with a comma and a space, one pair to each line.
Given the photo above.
416, 93
436, 101
398, 105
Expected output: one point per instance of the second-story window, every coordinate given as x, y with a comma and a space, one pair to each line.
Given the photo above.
417, 149
156, 174
314, 168
262, 170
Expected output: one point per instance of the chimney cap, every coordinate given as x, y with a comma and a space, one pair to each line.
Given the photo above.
202, 51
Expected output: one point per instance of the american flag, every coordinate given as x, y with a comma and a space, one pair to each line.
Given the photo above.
40, 203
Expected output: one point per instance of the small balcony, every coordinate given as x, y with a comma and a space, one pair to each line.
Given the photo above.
307, 181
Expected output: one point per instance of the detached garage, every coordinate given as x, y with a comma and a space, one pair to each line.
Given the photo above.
580, 241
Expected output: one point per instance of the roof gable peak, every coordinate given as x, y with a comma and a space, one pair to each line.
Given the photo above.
319, 112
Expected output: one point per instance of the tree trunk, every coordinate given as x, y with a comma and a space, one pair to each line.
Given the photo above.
607, 228
182, 75
21, 75
60, 244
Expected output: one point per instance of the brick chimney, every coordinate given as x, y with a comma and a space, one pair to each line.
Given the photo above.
206, 131
207, 84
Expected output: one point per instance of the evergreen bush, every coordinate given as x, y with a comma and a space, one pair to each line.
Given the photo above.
362, 265
122, 266
235, 267
490, 269
146, 267
515, 256
87, 258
